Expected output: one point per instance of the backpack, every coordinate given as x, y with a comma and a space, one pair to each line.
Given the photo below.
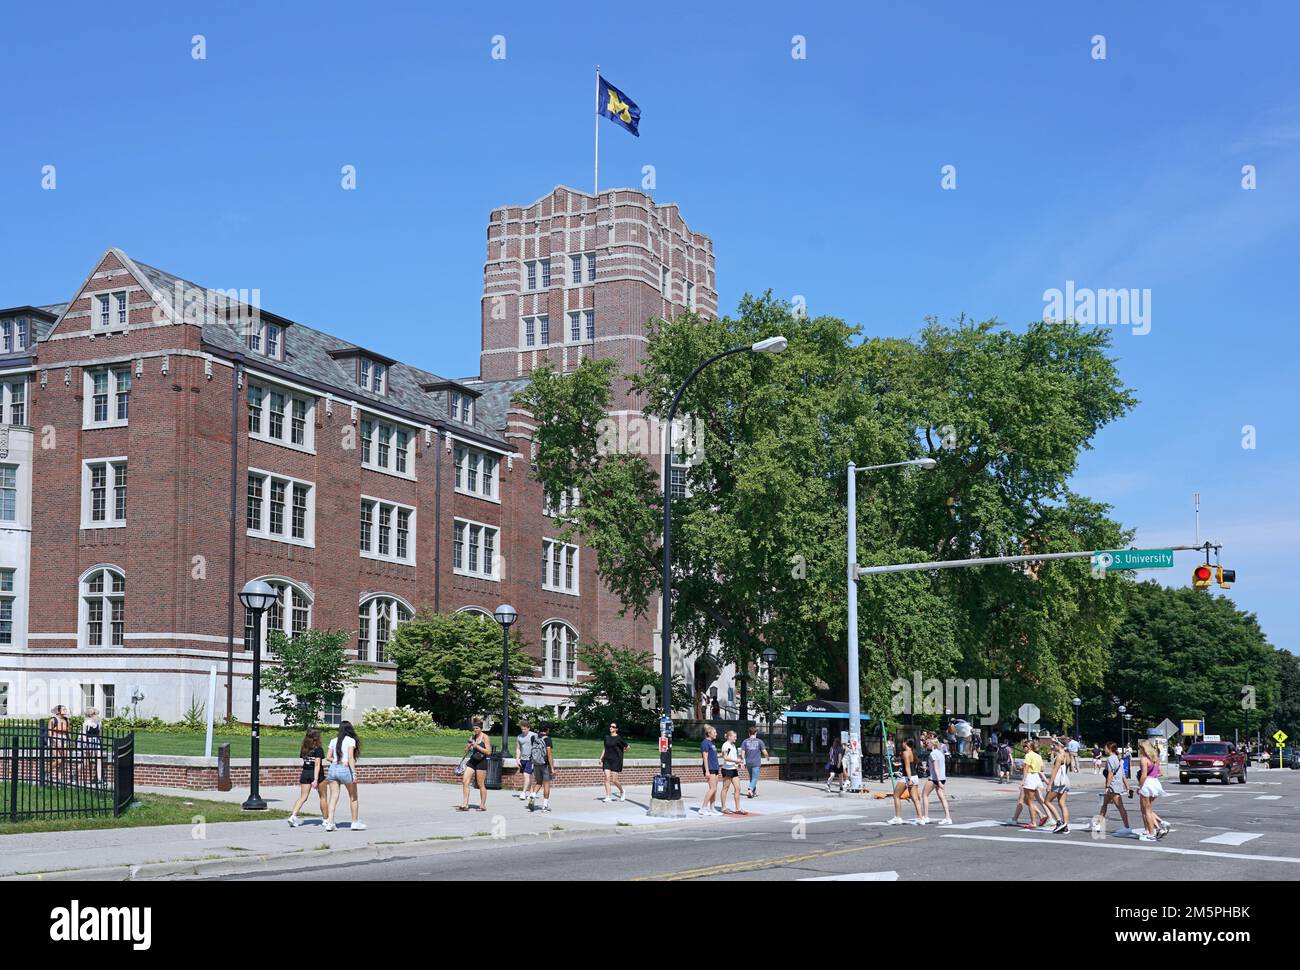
538, 751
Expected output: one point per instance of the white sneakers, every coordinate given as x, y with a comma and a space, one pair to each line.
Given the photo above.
294, 821
945, 821
895, 821
608, 799
329, 826
358, 827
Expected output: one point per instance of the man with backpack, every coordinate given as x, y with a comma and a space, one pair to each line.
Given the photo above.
543, 758
1004, 761
523, 757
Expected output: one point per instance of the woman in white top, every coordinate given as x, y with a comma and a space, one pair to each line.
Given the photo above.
937, 781
344, 751
731, 765
1059, 772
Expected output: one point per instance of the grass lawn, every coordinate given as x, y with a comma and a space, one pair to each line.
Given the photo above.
146, 810
450, 745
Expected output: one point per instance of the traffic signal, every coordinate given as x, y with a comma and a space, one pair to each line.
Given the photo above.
1201, 576
1224, 577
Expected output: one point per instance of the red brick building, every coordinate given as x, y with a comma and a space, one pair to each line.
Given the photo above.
171, 442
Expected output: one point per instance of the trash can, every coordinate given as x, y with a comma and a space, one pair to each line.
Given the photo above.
494, 766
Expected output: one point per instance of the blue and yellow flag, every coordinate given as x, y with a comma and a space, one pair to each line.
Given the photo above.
618, 107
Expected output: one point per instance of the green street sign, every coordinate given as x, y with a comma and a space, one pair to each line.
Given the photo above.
1135, 559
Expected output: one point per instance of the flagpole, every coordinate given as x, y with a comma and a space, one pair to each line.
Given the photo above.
595, 189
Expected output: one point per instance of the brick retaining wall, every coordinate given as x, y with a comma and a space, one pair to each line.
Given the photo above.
200, 774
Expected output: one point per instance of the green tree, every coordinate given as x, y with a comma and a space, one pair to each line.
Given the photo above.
450, 666
1185, 653
621, 687
309, 669
1287, 713
759, 540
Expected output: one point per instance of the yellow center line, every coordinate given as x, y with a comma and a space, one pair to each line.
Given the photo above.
729, 868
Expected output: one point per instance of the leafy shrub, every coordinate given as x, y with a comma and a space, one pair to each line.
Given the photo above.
397, 720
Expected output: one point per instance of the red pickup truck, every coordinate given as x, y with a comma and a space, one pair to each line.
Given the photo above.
1204, 760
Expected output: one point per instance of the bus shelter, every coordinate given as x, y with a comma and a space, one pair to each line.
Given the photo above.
810, 729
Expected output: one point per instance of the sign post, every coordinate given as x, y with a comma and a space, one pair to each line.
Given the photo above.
1280, 737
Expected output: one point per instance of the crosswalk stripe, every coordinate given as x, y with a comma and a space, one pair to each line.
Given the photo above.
821, 818
889, 876
1090, 844
1267, 798
1232, 838
1208, 796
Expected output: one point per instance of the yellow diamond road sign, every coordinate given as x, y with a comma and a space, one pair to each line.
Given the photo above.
1280, 737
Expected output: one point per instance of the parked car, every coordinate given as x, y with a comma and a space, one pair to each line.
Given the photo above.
1204, 760
1290, 758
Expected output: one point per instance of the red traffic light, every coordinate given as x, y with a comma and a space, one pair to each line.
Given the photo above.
1201, 576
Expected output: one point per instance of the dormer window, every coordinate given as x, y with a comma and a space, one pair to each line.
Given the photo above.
462, 407
372, 375
14, 334
266, 338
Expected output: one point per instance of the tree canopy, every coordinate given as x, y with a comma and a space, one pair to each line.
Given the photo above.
1183, 653
450, 665
759, 540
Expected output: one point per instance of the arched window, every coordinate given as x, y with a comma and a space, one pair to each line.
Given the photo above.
103, 607
560, 651
477, 612
377, 618
290, 614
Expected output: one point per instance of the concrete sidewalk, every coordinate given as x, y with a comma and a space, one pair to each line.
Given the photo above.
401, 819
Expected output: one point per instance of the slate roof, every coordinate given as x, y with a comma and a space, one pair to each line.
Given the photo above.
495, 399
307, 354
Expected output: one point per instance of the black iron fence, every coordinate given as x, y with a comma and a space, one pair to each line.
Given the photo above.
50, 774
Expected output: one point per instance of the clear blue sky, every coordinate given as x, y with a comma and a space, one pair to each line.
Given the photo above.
818, 177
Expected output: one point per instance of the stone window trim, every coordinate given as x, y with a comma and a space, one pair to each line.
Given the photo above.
114, 476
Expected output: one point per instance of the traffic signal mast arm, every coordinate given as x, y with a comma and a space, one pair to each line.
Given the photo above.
912, 567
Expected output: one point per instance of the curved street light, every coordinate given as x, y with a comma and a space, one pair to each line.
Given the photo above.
667, 788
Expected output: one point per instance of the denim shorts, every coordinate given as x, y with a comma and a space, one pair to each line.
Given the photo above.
340, 773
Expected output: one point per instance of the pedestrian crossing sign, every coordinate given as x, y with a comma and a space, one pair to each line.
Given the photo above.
1280, 737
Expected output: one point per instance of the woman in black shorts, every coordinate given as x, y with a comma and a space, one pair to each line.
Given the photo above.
477, 750
312, 776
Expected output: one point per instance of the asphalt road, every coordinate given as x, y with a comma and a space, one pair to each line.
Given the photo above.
1220, 832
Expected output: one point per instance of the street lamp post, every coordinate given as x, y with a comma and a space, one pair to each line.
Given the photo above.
257, 597
769, 656
1077, 702
855, 687
667, 791
506, 616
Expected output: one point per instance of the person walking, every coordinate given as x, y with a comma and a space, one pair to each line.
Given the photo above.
936, 783
1031, 781
1073, 748
709, 762
1178, 751
1059, 772
612, 762
92, 746
344, 750
835, 764
58, 734
1148, 791
543, 758
312, 776
477, 750
523, 757
755, 751
1096, 760
909, 786
731, 765
1006, 761
1117, 787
